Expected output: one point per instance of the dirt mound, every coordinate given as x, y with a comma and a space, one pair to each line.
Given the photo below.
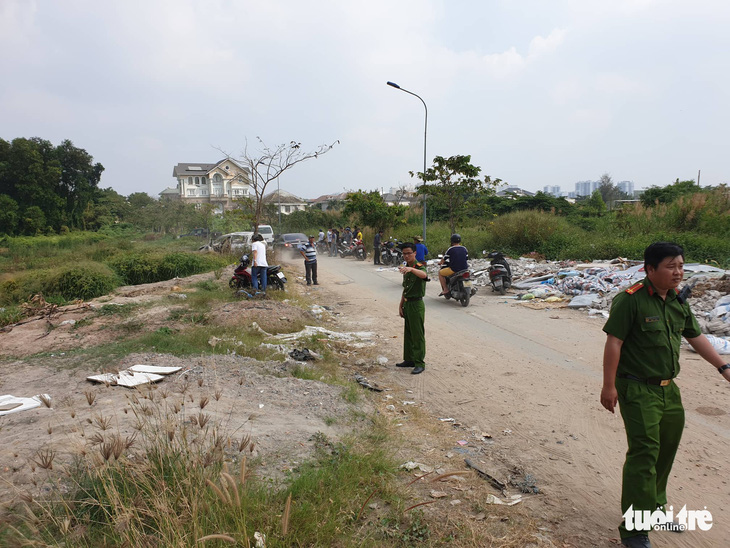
273, 316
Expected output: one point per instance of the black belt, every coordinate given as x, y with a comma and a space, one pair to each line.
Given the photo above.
412, 299
655, 382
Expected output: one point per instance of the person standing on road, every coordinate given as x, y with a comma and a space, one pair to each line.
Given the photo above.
640, 361
421, 249
377, 241
413, 311
335, 241
259, 266
329, 241
309, 252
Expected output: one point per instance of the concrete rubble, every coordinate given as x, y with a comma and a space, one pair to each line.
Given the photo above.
592, 286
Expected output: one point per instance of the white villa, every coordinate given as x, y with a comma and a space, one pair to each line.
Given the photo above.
286, 202
219, 184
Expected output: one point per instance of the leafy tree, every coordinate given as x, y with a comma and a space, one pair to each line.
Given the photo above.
268, 164
595, 204
34, 221
79, 179
8, 215
450, 182
667, 194
138, 200
372, 209
61, 181
609, 191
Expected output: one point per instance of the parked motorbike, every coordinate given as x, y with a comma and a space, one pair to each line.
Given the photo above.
242, 277
345, 249
460, 287
500, 274
390, 252
360, 252
322, 247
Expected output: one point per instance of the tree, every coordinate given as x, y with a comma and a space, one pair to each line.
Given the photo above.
269, 163
595, 204
667, 194
8, 215
34, 221
609, 191
454, 180
372, 209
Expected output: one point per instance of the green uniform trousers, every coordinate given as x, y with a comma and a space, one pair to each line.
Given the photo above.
654, 419
414, 334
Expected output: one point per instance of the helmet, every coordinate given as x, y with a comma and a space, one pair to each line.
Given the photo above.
455, 239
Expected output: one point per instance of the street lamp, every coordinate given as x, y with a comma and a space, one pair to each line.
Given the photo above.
425, 131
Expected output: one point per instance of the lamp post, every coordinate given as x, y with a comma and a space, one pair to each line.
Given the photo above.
425, 131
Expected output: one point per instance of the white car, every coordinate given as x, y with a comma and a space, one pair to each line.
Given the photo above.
234, 241
268, 233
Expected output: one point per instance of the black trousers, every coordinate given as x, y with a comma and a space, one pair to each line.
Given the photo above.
376, 254
311, 271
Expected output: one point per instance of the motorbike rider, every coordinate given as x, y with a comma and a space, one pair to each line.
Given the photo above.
455, 260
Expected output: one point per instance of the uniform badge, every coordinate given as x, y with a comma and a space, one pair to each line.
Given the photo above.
651, 319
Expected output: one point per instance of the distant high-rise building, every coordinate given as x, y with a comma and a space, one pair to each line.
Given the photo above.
553, 190
627, 187
583, 188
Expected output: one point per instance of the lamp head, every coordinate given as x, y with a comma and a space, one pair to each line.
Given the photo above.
393, 84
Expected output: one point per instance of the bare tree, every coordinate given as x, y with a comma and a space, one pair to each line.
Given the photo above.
268, 163
401, 193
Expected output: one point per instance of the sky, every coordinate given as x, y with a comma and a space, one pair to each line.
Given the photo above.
537, 92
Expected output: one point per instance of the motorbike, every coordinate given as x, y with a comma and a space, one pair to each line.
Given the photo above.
359, 250
500, 274
390, 253
322, 247
242, 277
460, 287
345, 249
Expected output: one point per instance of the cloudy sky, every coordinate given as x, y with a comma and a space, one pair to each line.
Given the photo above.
537, 92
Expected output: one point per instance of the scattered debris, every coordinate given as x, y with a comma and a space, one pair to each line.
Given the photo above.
303, 355
527, 485
134, 376
491, 479
438, 494
363, 381
12, 404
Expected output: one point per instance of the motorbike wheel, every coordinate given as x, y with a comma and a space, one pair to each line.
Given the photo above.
234, 283
501, 289
385, 259
276, 283
361, 254
465, 299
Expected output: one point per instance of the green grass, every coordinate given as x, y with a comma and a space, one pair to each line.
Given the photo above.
176, 481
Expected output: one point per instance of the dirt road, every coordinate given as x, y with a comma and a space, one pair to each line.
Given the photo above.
531, 378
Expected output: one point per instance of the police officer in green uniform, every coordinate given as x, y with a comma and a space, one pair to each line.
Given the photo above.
640, 360
412, 309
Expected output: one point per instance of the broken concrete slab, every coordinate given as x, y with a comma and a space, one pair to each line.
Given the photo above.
14, 404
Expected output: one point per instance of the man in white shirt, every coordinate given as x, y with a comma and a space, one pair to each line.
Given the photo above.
259, 266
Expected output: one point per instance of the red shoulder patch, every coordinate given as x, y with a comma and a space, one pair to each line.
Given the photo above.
634, 288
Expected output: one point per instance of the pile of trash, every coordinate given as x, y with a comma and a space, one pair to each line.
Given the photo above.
592, 286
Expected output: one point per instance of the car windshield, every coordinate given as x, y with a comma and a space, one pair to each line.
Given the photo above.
292, 237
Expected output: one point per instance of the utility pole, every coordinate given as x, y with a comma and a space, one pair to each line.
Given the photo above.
698, 177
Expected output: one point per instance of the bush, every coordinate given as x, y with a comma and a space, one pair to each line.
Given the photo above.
83, 281
141, 268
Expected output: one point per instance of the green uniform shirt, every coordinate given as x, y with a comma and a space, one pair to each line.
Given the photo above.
651, 329
413, 286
